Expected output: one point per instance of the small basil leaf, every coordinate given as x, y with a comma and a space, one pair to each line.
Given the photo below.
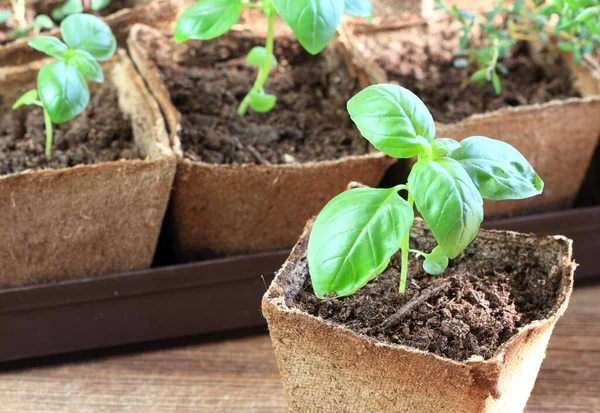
354, 238
256, 57
314, 22
498, 170
442, 146
262, 102
69, 7
449, 202
63, 91
42, 21
85, 64
28, 98
99, 4
49, 45
436, 262
207, 19
496, 83
359, 8
5, 15
89, 33
392, 118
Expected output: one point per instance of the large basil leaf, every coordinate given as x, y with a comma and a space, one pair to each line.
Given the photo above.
207, 19
89, 33
85, 64
393, 119
498, 170
449, 201
63, 91
49, 45
314, 22
359, 8
354, 237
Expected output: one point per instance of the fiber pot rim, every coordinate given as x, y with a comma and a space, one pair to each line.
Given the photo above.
274, 299
145, 66
120, 58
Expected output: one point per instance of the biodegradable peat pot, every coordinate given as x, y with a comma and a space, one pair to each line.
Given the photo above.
239, 207
85, 220
326, 366
159, 13
420, 59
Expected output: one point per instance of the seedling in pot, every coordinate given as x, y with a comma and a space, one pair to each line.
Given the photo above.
78, 6
19, 15
62, 91
357, 233
568, 25
314, 22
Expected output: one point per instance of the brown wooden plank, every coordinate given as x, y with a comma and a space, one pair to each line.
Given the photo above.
240, 375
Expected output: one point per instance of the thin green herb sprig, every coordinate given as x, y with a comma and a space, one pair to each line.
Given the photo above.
24, 28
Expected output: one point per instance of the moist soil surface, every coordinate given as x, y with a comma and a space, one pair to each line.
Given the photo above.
99, 134
469, 310
428, 70
208, 80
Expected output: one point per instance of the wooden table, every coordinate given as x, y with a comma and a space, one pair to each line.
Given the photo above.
240, 375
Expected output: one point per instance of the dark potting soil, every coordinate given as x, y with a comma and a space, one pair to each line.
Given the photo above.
428, 70
208, 80
99, 134
469, 310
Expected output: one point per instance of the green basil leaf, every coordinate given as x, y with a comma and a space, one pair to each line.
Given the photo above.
498, 170
42, 21
436, 262
354, 238
314, 22
256, 57
565, 46
359, 8
99, 4
5, 15
449, 202
442, 146
49, 45
85, 64
28, 98
496, 83
480, 76
63, 91
89, 33
392, 118
207, 19
262, 102
68, 7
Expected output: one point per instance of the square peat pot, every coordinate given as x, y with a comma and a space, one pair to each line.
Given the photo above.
156, 13
328, 367
89, 219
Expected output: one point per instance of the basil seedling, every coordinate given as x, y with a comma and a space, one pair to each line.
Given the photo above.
573, 26
314, 22
357, 233
78, 6
23, 27
62, 91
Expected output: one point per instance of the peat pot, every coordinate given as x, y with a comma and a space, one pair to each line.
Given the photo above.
328, 365
258, 202
100, 217
155, 13
550, 111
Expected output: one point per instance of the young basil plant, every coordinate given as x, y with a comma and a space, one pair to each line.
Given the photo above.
573, 25
62, 91
314, 22
78, 6
23, 27
357, 233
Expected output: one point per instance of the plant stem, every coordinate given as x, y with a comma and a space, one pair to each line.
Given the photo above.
48, 123
263, 72
405, 247
19, 10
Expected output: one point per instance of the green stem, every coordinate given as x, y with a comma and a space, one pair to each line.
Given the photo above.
494, 62
263, 72
405, 247
48, 123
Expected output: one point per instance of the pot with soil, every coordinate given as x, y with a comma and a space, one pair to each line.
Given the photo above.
544, 98
120, 15
469, 341
96, 205
248, 184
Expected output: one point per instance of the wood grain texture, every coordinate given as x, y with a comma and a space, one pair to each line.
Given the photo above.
240, 375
